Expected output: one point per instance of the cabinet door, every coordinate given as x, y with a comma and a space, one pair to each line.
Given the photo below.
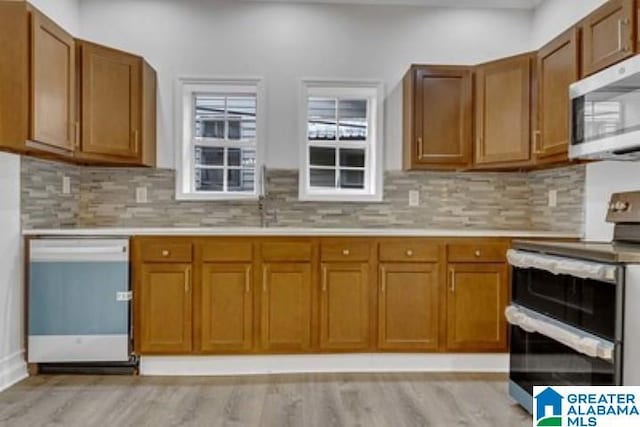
476, 301
111, 102
344, 306
608, 36
503, 111
226, 310
558, 67
52, 84
408, 307
438, 132
286, 306
165, 308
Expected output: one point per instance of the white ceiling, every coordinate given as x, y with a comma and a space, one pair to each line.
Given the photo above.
510, 4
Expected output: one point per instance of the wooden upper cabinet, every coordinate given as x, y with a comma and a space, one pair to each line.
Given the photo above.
437, 115
408, 302
37, 82
476, 301
286, 307
226, 307
344, 306
609, 35
503, 111
557, 68
117, 107
53, 120
165, 308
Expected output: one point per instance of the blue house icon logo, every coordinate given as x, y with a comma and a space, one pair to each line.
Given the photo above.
549, 408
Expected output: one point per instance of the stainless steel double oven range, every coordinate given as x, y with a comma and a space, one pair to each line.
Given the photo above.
575, 311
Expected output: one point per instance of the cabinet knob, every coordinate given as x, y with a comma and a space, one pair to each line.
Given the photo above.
409, 252
478, 253
345, 252
165, 252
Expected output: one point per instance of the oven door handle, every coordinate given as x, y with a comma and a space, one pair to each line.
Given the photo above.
582, 343
563, 265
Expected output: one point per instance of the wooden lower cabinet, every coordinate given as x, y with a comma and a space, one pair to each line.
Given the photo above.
241, 296
166, 308
408, 307
285, 315
344, 306
226, 307
476, 298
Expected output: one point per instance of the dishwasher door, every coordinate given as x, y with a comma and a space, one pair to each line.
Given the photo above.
78, 300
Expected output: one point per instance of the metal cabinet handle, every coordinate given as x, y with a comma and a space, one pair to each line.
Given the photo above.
165, 252
452, 285
409, 253
420, 148
77, 134
478, 253
247, 281
135, 140
187, 280
621, 47
264, 281
345, 252
536, 147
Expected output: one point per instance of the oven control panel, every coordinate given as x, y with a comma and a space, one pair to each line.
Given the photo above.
624, 207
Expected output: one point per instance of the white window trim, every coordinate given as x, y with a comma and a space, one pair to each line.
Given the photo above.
185, 87
374, 162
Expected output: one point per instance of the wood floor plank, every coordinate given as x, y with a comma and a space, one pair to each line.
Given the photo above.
322, 400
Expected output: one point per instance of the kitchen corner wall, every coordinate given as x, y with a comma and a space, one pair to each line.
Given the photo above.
105, 197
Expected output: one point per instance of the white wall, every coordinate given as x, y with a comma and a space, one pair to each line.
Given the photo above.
284, 42
12, 366
553, 17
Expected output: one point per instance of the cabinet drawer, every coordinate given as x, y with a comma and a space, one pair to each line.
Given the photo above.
286, 251
159, 251
408, 252
345, 251
484, 252
226, 251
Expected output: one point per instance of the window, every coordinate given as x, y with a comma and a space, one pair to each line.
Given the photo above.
220, 133
341, 157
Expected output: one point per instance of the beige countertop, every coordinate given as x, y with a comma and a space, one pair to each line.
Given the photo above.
275, 231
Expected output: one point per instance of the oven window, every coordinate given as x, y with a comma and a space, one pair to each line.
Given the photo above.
609, 111
584, 303
538, 360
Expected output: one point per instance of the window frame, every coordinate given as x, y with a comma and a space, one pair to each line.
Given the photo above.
373, 92
186, 88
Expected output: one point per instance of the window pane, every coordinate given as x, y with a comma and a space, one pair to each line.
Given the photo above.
209, 119
209, 179
323, 178
320, 156
352, 115
240, 179
242, 117
209, 156
322, 119
353, 158
352, 179
245, 157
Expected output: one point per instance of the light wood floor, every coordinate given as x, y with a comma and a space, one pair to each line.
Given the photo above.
293, 400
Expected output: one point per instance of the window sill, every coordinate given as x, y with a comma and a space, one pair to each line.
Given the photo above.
214, 197
350, 198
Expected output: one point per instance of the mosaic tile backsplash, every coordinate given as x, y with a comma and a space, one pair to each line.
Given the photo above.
105, 197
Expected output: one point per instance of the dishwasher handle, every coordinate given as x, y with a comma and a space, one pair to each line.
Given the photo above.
79, 251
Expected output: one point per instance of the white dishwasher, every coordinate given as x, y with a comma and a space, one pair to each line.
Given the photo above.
78, 301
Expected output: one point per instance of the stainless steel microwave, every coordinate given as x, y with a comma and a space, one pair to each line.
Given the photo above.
605, 114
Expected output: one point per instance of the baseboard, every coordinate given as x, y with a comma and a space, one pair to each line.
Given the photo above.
329, 363
13, 369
